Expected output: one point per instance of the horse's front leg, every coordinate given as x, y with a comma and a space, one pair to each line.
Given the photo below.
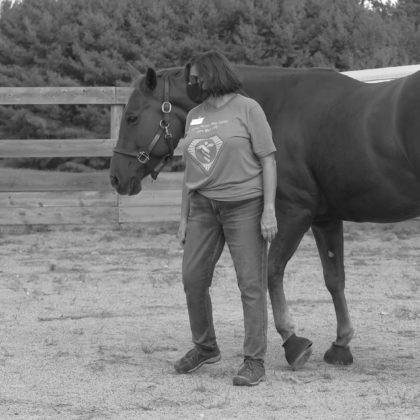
329, 240
290, 233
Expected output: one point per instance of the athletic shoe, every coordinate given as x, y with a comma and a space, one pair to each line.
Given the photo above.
250, 373
194, 359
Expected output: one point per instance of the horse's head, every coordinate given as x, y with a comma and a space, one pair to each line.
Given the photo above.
152, 124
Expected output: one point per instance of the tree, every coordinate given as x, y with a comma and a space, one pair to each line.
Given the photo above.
407, 12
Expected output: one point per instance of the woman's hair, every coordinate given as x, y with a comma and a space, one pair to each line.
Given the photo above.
216, 72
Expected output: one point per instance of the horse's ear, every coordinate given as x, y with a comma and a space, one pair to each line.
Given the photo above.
134, 73
151, 79
187, 70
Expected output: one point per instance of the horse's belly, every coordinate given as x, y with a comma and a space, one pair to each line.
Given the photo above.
386, 203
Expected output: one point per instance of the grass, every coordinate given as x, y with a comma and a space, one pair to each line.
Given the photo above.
148, 348
405, 313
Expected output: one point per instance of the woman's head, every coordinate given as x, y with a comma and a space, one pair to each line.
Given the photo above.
210, 74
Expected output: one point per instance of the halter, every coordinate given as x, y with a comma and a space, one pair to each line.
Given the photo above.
143, 156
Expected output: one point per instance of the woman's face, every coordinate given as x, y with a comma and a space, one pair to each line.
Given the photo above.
196, 88
195, 77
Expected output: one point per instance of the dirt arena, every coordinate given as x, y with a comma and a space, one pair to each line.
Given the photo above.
93, 318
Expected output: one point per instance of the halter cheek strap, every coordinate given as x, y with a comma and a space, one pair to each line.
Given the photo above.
143, 156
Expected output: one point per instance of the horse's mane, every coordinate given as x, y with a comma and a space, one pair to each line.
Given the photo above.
168, 72
173, 71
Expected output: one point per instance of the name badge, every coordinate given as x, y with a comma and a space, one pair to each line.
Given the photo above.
197, 121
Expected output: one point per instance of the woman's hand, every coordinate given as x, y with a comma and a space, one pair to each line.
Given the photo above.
268, 224
182, 231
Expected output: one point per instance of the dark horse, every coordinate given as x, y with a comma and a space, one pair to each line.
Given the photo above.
346, 150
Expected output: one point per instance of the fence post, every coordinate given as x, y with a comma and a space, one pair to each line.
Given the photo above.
116, 115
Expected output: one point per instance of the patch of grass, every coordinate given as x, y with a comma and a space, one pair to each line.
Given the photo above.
164, 278
165, 348
201, 388
360, 262
407, 333
108, 237
398, 296
415, 285
406, 356
405, 313
219, 403
148, 348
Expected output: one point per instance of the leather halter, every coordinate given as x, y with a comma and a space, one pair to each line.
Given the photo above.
143, 156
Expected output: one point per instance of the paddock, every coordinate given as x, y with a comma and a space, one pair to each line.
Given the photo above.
93, 319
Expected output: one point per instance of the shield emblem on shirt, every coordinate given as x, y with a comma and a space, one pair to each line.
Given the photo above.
205, 151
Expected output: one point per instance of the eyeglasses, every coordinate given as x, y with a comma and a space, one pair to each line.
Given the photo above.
193, 79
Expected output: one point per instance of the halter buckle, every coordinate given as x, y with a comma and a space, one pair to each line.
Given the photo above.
166, 107
143, 157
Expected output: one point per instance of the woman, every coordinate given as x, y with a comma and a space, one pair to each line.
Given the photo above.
228, 196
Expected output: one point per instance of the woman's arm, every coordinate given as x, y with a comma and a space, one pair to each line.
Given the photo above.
268, 218
185, 209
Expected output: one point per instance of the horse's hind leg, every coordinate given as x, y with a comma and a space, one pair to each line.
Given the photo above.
329, 239
291, 230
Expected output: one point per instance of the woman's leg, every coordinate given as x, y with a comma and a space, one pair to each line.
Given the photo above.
241, 226
203, 246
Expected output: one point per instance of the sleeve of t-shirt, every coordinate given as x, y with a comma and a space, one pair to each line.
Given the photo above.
180, 148
260, 132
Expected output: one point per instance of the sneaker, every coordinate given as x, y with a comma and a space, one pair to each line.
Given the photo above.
250, 373
194, 359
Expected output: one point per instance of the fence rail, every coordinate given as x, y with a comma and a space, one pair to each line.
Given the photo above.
46, 198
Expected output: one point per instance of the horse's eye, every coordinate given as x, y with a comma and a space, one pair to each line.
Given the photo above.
132, 119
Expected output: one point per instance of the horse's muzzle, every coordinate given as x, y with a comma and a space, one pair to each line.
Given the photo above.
133, 187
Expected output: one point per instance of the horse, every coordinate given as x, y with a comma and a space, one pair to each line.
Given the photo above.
346, 151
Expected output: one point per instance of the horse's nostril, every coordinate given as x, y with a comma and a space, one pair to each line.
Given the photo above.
114, 181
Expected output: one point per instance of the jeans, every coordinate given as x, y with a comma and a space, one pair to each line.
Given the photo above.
211, 223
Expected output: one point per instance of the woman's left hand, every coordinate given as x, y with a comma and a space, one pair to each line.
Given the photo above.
268, 224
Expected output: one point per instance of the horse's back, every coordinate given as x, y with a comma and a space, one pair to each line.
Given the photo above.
349, 145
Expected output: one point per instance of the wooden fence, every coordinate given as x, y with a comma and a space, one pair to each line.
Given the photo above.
31, 197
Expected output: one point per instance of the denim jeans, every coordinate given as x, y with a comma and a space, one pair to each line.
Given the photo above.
211, 223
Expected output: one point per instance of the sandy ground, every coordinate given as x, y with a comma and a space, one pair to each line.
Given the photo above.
92, 320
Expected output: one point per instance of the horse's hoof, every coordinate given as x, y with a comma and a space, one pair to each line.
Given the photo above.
297, 351
338, 355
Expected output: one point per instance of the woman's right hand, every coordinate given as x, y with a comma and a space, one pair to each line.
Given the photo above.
182, 231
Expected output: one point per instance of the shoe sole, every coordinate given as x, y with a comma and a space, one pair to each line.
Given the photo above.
242, 381
210, 361
302, 359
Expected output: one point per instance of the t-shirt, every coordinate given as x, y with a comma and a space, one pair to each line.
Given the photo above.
222, 149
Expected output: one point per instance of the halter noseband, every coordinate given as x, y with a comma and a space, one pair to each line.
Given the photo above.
143, 156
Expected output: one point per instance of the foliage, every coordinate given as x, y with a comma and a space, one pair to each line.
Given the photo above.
90, 43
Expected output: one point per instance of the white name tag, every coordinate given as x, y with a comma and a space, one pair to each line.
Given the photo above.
197, 121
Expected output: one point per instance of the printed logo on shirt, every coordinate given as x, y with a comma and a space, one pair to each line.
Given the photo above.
197, 121
205, 151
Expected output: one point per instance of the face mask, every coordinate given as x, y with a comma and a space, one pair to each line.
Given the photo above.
196, 92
